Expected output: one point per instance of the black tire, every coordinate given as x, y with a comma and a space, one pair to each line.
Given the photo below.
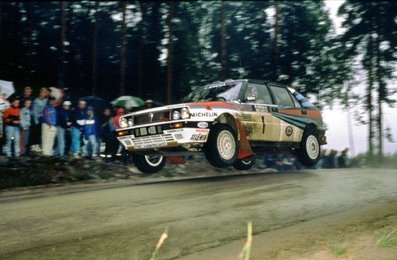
221, 146
244, 164
309, 151
149, 163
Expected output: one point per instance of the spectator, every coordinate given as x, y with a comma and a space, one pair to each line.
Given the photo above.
37, 113
27, 95
63, 124
12, 123
342, 159
49, 127
116, 121
4, 104
90, 133
78, 120
148, 103
102, 120
26, 117
108, 134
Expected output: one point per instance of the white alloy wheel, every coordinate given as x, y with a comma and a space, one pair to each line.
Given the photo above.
154, 160
226, 145
312, 147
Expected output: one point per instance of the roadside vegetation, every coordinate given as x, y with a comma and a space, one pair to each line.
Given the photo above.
337, 249
387, 240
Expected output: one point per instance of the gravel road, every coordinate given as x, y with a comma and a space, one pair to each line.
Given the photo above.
126, 222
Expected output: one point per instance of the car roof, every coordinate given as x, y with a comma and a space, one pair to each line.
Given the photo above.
256, 81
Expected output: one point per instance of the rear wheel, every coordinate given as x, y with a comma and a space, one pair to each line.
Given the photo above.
309, 151
221, 147
244, 164
150, 163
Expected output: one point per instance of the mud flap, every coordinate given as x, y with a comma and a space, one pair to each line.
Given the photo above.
244, 150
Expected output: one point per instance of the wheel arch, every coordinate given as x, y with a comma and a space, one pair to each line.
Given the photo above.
227, 118
244, 147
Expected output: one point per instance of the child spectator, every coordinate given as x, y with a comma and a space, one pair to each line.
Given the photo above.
12, 123
49, 127
25, 126
90, 133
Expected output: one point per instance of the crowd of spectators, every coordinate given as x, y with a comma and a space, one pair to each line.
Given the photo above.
57, 126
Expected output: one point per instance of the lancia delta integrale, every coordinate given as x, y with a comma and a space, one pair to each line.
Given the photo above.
230, 122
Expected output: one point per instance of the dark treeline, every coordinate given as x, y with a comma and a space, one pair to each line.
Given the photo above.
161, 50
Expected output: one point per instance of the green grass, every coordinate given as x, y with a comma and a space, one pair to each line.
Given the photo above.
387, 240
337, 249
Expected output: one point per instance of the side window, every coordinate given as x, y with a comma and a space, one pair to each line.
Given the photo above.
282, 97
259, 92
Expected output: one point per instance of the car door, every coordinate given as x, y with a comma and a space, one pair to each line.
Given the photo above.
291, 114
259, 124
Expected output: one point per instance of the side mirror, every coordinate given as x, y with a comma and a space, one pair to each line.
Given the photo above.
250, 99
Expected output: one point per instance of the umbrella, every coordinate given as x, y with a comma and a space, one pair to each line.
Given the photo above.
128, 102
6, 88
95, 101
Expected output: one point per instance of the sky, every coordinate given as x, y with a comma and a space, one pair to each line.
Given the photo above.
337, 119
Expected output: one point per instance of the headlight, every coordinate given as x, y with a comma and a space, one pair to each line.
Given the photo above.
185, 113
130, 122
176, 115
123, 122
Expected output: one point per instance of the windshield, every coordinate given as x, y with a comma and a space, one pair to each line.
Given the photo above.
221, 92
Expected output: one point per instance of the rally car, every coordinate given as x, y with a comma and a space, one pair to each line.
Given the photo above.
230, 122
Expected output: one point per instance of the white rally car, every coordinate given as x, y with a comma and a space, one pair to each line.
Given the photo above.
229, 121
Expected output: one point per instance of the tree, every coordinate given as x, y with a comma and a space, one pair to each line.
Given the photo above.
95, 23
64, 44
369, 37
123, 48
170, 52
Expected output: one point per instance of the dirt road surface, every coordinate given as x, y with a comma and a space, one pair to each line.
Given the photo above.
206, 218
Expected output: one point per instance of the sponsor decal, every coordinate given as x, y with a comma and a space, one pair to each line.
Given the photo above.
247, 117
198, 137
202, 130
178, 136
289, 130
204, 114
173, 130
202, 124
261, 108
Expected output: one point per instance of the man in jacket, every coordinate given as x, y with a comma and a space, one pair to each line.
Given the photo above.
11, 118
90, 133
78, 120
48, 127
63, 124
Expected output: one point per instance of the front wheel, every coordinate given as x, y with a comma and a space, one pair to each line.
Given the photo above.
244, 164
309, 151
150, 163
221, 147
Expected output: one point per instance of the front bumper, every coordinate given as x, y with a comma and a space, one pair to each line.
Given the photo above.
152, 137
